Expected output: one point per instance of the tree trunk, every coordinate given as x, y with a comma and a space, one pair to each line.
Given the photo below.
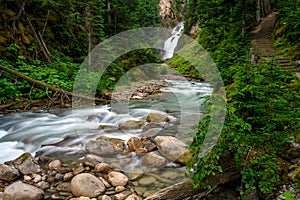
109, 14
266, 7
50, 87
258, 11
243, 16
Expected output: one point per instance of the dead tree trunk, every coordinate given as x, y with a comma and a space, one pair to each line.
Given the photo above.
55, 89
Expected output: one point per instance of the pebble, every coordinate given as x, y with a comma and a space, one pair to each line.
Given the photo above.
105, 197
27, 178
120, 188
37, 178
54, 164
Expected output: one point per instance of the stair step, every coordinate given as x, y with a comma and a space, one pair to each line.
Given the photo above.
285, 64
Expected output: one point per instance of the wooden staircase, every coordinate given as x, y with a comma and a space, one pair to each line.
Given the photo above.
264, 50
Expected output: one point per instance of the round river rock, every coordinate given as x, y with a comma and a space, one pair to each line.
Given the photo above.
86, 185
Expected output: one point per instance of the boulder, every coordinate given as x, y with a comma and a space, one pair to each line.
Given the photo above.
92, 160
154, 160
170, 147
8, 173
100, 147
20, 191
131, 124
87, 185
157, 118
134, 143
26, 164
117, 179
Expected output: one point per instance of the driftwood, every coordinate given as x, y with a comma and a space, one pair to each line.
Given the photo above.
55, 89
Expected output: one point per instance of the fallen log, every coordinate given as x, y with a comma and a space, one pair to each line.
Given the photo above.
185, 190
50, 87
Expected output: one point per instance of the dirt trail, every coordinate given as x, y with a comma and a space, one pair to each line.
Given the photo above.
263, 47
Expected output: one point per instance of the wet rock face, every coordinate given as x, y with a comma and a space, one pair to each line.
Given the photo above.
26, 164
87, 185
169, 15
20, 191
8, 173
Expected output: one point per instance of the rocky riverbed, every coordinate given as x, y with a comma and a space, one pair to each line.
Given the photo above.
93, 178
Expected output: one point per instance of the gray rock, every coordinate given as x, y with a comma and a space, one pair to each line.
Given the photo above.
54, 164
131, 124
105, 197
80, 198
43, 185
65, 187
86, 185
92, 160
134, 175
133, 197
8, 173
122, 195
120, 188
102, 167
134, 143
154, 160
26, 164
157, 118
117, 179
100, 147
170, 147
22, 191
146, 181
36, 178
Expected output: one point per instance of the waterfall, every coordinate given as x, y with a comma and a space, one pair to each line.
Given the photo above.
171, 43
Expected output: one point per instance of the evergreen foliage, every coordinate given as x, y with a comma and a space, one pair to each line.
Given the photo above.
69, 30
263, 102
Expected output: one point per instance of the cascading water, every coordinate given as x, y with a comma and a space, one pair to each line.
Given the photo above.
171, 43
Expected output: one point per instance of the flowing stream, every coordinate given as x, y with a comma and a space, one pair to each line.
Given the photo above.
30, 131
63, 134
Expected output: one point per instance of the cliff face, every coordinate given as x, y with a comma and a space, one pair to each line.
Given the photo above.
171, 12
